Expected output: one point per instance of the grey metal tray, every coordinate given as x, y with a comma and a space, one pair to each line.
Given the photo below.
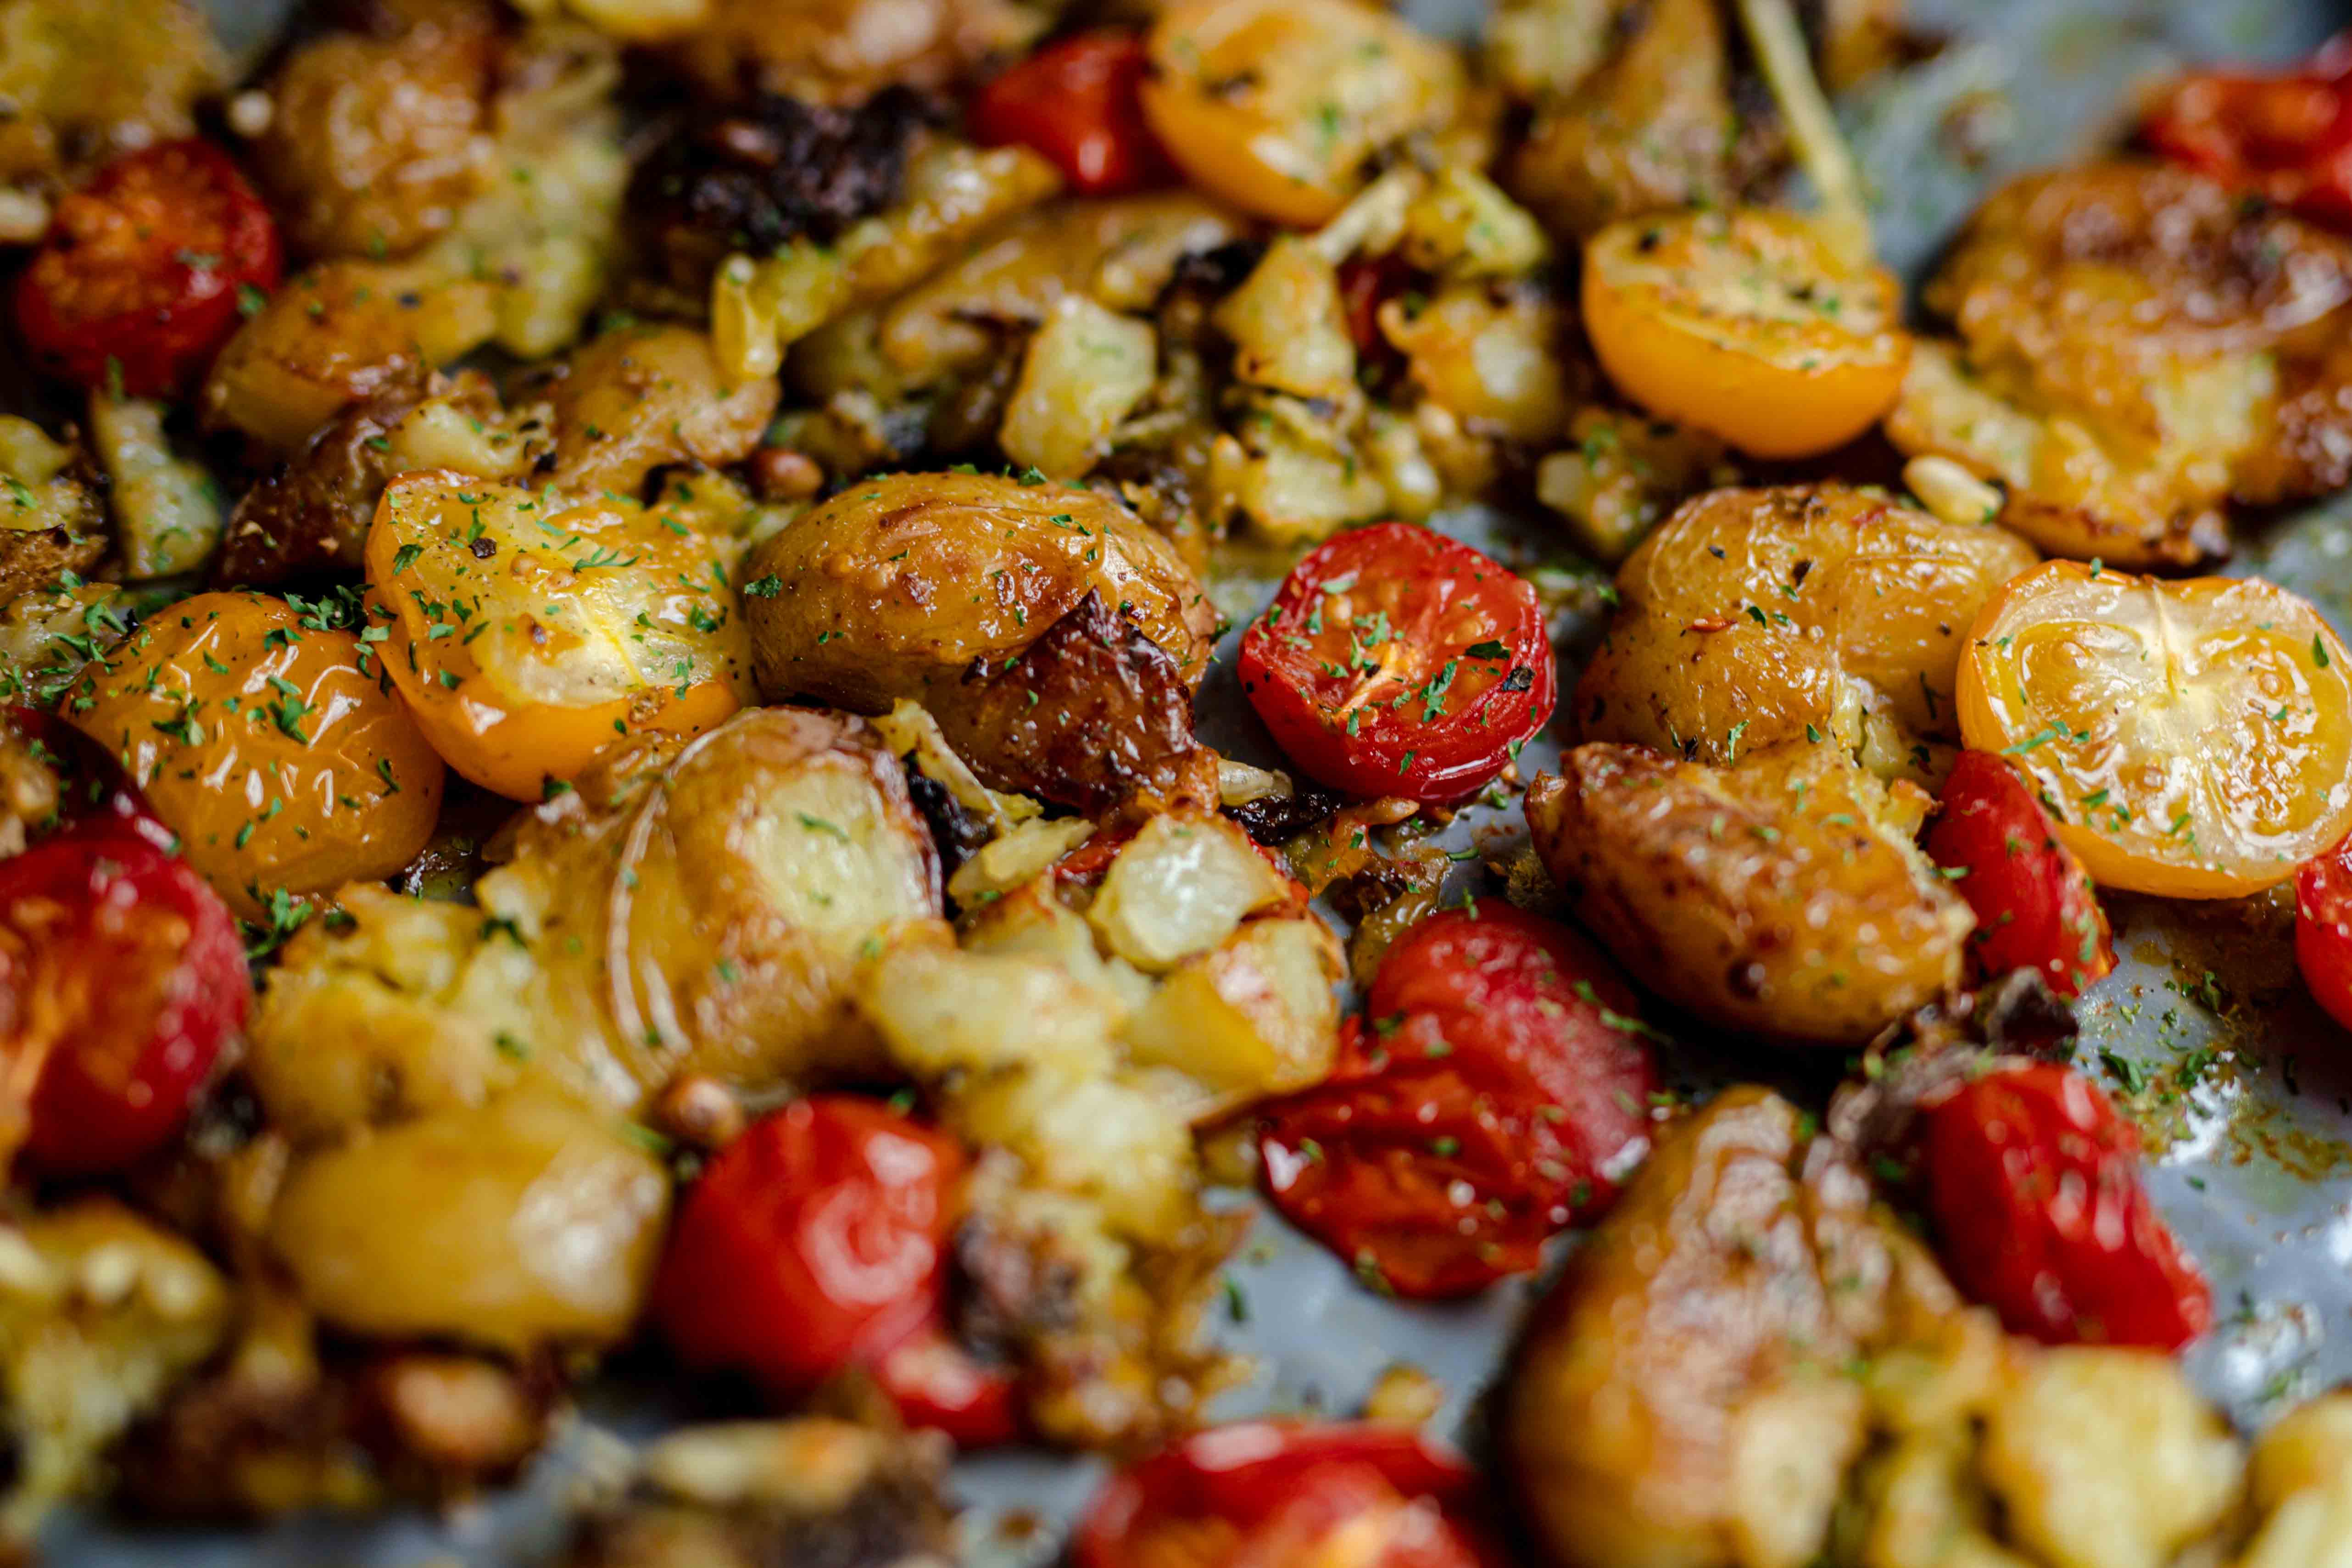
2257, 1168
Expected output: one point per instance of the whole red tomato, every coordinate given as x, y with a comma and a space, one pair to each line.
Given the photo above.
1500, 1090
1396, 661
146, 270
2032, 1181
816, 1241
2034, 902
2323, 931
1271, 1494
1078, 103
122, 975
2286, 136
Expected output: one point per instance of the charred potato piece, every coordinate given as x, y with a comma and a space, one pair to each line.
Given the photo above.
1781, 897
1753, 618
373, 146
642, 398
336, 334
1681, 1399
898, 585
528, 1222
2126, 332
1088, 714
697, 912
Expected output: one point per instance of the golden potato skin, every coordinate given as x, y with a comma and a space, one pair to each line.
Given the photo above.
1781, 897
2137, 346
1734, 1270
894, 587
528, 1222
639, 398
1753, 617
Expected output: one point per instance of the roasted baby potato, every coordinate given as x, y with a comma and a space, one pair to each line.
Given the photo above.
1781, 896
842, 51
688, 910
1753, 618
336, 334
1681, 1399
2135, 346
900, 585
528, 1222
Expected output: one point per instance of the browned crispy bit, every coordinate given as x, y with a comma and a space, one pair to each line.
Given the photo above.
311, 515
1090, 713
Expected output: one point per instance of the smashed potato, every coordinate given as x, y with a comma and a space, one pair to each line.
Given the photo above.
2130, 339
701, 911
1753, 618
898, 585
641, 398
1781, 896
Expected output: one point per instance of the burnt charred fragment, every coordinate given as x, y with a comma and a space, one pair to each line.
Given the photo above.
1275, 820
956, 832
761, 174
2014, 1019
1089, 714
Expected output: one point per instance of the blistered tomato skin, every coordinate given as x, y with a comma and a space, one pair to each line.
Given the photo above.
1746, 324
122, 975
1395, 662
2323, 931
270, 742
2033, 1180
1078, 103
2286, 135
148, 270
817, 1241
2193, 738
1279, 1492
529, 632
2035, 904
1499, 1090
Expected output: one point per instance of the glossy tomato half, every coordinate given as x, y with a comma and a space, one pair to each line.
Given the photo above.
145, 271
1396, 661
122, 975
1078, 103
2323, 931
2035, 904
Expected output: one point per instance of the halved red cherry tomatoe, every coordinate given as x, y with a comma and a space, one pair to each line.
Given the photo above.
1280, 1494
1396, 661
2323, 931
2035, 904
1079, 104
1502, 1086
147, 270
122, 975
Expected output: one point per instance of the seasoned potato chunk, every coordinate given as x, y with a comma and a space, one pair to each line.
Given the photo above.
842, 50
2135, 344
528, 1222
85, 79
1680, 1399
101, 1314
702, 913
898, 585
1761, 618
1782, 896
335, 334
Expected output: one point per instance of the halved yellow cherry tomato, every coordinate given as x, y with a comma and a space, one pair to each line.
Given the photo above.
269, 742
1748, 324
2193, 739
1276, 105
529, 631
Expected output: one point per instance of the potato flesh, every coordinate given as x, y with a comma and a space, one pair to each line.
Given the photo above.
526, 1222
1754, 618
894, 586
